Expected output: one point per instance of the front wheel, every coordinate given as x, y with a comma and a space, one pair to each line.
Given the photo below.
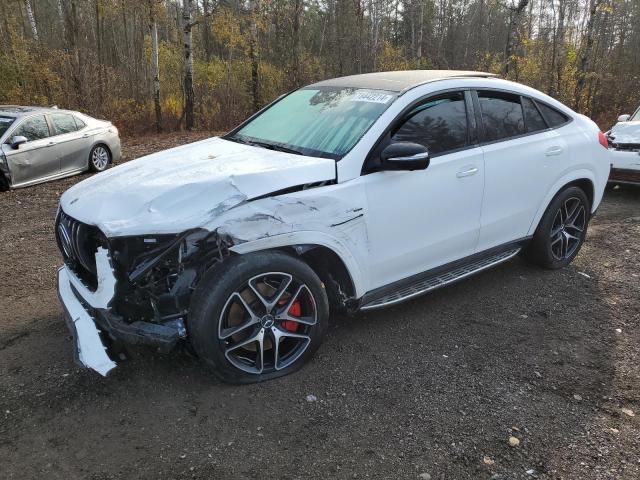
258, 316
561, 231
99, 158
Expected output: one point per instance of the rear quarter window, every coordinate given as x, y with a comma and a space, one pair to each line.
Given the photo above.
553, 117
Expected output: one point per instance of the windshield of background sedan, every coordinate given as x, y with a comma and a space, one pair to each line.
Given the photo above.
321, 121
636, 116
5, 123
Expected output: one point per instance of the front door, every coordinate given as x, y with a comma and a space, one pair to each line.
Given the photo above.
419, 220
34, 159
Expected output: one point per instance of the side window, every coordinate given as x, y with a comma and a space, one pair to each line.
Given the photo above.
34, 128
501, 115
63, 123
79, 123
440, 124
532, 117
554, 117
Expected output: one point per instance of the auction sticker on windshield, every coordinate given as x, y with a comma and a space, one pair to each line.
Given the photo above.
370, 96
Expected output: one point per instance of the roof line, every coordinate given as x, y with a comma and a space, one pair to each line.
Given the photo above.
475, 75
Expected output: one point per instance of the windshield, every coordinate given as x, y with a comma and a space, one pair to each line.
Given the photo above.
636, 116
5, 123
316, 121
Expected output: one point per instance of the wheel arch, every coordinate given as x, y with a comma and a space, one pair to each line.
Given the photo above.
582, 178
331, 269
329, 259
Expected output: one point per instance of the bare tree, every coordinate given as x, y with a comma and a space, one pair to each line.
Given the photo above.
188, 7
585, 52
513, 38
254, 7
32, 19
155, 64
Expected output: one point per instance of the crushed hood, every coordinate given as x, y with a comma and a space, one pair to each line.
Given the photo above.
625, 132
187, 187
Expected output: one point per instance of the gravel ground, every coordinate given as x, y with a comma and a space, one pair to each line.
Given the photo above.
433, 388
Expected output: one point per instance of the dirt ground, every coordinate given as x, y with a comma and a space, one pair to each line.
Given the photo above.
433, 388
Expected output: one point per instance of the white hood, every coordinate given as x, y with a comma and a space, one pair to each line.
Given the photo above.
625, 132
187, 187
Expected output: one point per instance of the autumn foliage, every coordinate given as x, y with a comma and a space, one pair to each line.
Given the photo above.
95, 55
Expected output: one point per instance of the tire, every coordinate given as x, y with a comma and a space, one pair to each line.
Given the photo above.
99, 158
227, 317
4, 183
561, 231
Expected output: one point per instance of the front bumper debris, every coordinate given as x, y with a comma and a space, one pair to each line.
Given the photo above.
88, 317
89, 352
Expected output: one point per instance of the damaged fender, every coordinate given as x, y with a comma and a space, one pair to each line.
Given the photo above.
330, 216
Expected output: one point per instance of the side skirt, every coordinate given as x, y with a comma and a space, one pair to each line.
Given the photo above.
439, 277
55, 176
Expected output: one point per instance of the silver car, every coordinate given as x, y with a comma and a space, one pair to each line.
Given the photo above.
41, 144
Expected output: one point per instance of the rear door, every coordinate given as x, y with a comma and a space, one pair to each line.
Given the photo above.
71, 145
523, 158
35, 159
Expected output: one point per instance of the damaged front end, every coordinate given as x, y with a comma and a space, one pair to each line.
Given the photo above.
132, 290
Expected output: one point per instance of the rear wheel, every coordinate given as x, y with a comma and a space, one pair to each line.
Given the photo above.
561, 231
99, 158
258, 316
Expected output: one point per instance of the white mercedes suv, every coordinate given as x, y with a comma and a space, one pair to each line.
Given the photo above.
349, 194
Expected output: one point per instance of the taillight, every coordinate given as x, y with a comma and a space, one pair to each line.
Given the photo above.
602, 138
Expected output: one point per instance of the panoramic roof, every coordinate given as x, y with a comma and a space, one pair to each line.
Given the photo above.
397, 81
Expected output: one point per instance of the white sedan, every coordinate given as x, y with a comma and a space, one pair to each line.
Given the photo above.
349, 194
40, 144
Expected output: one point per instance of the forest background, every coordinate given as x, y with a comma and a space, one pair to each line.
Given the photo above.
167, 65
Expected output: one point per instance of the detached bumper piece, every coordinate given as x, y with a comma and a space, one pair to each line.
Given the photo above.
89, 352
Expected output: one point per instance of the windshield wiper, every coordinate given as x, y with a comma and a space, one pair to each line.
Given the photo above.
271, 146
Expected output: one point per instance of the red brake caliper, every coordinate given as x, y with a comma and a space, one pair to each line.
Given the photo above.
295, 310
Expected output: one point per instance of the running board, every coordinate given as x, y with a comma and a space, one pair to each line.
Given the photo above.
440, 280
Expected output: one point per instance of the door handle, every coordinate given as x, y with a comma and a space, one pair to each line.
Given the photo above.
51, 144
86, 135
551, 151
467, 172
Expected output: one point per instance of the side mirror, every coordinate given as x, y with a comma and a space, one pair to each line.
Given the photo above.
405, 156
17, 141
624, 118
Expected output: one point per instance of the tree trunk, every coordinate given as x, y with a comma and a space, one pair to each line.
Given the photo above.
420, 34
187, 40
155, 67
60, 10
585, 51
297, 20
513, 38
254, 6
32, 19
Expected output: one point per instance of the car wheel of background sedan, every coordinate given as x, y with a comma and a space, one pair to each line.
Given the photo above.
258, 316
99, 159
561, 231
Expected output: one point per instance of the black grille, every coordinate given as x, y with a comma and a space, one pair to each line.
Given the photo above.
627, 147
78, 243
